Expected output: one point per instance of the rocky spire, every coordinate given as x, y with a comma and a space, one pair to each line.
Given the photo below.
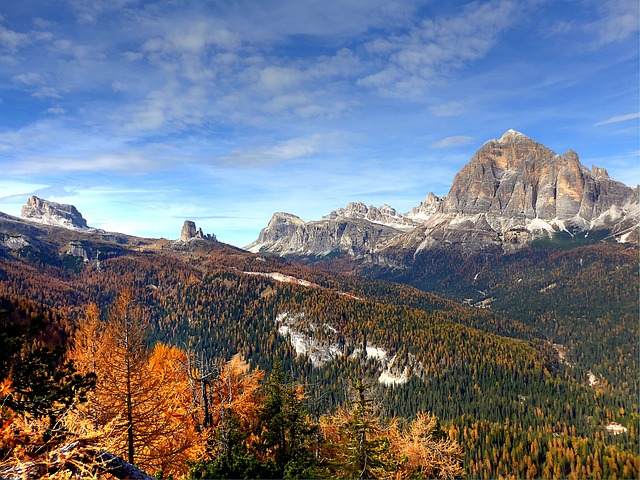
190, 232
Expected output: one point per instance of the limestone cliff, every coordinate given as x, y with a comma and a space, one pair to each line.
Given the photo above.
515, 189
51, 213
287, 234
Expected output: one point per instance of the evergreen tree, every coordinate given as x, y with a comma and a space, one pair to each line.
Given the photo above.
361, 448
287, 435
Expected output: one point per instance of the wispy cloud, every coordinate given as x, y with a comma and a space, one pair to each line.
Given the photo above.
433, 47
10, 40
618, 119
449, 109
619, 21
453, 141
294, 148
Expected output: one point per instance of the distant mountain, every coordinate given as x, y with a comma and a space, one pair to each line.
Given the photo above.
512, 192
58, 234
356, 230
51, 213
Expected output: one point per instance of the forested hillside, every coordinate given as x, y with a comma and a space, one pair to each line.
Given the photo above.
502, 387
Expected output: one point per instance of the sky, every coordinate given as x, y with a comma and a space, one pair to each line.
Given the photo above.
146, 114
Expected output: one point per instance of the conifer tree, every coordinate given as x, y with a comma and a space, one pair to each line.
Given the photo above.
424, 451
287, 434
361, 448
141, 393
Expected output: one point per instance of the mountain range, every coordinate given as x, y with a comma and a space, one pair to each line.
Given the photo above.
512, 192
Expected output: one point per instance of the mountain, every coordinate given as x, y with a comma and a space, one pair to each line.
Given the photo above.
515, 190
512, 192
356, 230
58, 234
347, 231
51, 213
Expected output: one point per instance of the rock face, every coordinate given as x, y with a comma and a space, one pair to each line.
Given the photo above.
385, 215
518, 178
189, 232
287, 234
512, 191
426, 209
51, 213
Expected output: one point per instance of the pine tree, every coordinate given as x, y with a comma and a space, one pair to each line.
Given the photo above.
361, 448
287, 434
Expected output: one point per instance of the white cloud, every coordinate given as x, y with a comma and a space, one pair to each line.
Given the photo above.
433, 47
127, 163
620, 20
449, 109
29, 79
11, 41
618, 119
56, 110
288, 150
453, 141
279, 78
10, 141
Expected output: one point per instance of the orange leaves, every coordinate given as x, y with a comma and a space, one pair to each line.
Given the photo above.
423, 450
142, 396
237, 390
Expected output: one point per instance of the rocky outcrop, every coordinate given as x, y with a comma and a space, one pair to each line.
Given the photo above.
426, 209
51, 213
190, 232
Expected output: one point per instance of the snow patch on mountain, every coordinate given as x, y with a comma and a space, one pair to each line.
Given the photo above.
309, 339
281, 277
383, 215
322, 343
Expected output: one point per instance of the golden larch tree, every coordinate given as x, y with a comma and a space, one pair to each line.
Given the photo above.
142, 395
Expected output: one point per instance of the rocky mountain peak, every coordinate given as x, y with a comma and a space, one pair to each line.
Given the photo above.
512, 135
384, 215
283, 218
190, 232
599, 172
571, 156
522, 180
51, 213
427, 208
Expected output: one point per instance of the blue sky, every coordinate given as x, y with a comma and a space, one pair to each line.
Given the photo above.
144, 114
